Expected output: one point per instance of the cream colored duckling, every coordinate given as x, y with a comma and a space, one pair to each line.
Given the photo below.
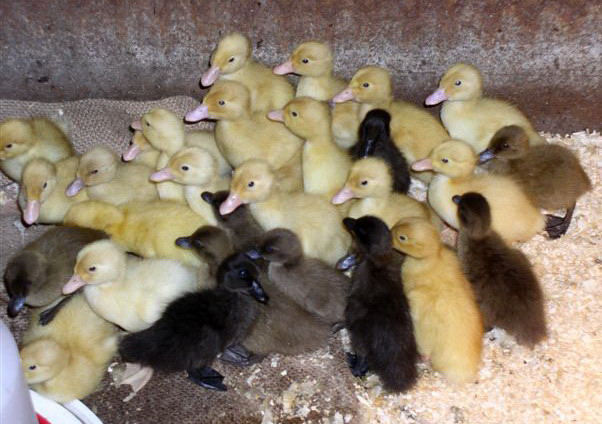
414, 131
232, 60
370, 180
42, 193
316, 222
196, 169
148, 229
22, 140
141, 151
242, 135
325, 165
129, 291
67, 358
469, 116
514, 216
109, 180
447, 321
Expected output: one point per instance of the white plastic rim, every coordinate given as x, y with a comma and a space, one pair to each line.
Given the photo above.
74, 412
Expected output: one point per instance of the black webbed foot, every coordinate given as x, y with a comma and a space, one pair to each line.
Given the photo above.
238, 355
358, 364
557, 226
48, 315
207, 378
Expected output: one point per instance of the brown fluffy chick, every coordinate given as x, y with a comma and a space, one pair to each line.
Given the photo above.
550, 174
507, 290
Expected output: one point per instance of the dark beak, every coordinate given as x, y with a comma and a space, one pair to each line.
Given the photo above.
456, 199
207, 196
349, 223
184, 242
485, 156
346, 262
253, 254
257, 292
15, 305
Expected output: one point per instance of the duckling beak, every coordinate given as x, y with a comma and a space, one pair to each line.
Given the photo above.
276, 115
131, 153
162, 175
75, 187
136, 125
257, 292
486, 156
184, 242
210, 76
422, 165
349, 223
207, 196
198, 114
15, 305
346, 262
230, 204
456, 199
253, 254
31, 212
437, 97
74, 283
343, 96
284, 68
342, 196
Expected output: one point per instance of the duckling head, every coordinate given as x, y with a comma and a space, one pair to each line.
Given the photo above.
251, 182
312, 59
453, 158
374, 128
474, 214
227, 100
239, 274
190, 166
510, 142
97, 166
305, 117
370, 84
368, 177
163, 129
416, 237
209, 242
97, 263
231, 54
460, 82
42, 359
138, 144
370, 234
38, 180
24, 274
16, 138
281, 246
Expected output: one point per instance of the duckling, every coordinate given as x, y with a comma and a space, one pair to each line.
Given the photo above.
196, 169
66, 359
415, 132
242, 135
141, 151
370, 180
148, 229
446, 318
313, 218
325, 165
506, 287
42, 193
109, 180
232, 60
129, 291
377, 315
469, 116
375, 140
514, 216
550, 175
22, 140
317, 287
36, 275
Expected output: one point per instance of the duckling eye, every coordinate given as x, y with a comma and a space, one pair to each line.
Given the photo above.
45, 184
92, 269
251, 183
403, 238
9, 146
231, 59
147, 123
305, 60
221, 102
365, 85
243, 274
364, 182
445, 160
94, 172
505, 146
33, 367
295, 114
184, 167
269, 249
458, 82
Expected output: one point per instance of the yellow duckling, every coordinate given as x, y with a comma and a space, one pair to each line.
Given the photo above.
232, 60
469, 116
141, 151
22, 140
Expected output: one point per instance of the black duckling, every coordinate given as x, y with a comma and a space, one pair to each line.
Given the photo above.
375, 140
377, 314
507, 290
550, 174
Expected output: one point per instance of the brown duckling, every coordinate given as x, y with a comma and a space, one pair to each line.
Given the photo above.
507, 290
550, 175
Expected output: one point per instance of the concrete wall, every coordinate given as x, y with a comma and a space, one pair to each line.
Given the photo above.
544, 56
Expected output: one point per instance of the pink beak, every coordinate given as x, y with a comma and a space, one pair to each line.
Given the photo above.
162, 175
342, 196
437, 97
74, 283
343, 96
198, 114
136, 125
276, 115
210, 76
230, 204
31, 212
131, 152
75, 187
285, 68
423, 165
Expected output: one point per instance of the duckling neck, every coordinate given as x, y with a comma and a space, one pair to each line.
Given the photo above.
413, 266
382, 104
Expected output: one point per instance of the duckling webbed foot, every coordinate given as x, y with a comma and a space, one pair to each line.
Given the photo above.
238, 355
357, 363
557, 226
48, 315
207, 378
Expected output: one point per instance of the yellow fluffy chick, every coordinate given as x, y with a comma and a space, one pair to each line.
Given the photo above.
232, 60
514, 216
42, 194
67, 358
148, 229
447, 322
325, 165
196, 169
109, 180
316, 222
22, 140
141, 151
370, 181
129, 291
469, 116
242, 134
